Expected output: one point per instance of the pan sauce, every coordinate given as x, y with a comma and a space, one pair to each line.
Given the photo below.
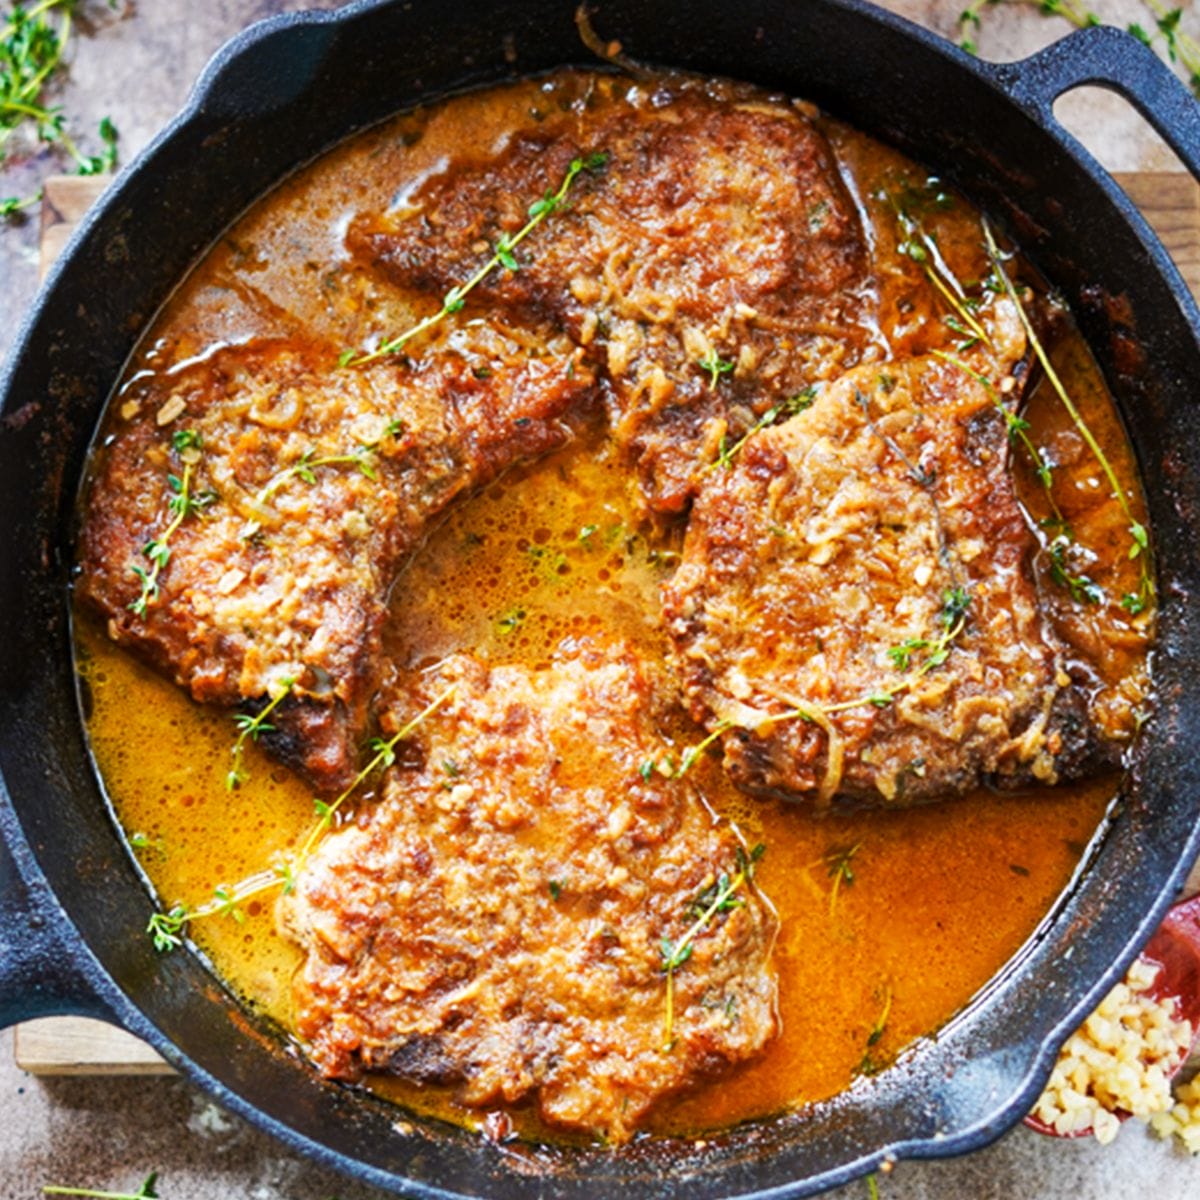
890, 922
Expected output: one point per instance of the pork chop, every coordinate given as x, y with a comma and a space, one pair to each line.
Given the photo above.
306, 486
713, 266
501, 917
855, 608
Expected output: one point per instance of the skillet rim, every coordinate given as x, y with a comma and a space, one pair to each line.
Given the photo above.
248, 43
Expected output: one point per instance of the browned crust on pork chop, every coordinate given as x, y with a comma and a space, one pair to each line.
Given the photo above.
267, 583
718, 230
836, 557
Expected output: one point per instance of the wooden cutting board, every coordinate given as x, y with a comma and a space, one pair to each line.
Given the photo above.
76, 1046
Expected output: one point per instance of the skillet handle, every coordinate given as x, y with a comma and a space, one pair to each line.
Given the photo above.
39, 975
1111, 58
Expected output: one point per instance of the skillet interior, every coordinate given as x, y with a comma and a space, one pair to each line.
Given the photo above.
305, 83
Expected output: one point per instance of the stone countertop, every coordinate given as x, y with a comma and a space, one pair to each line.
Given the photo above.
135, 62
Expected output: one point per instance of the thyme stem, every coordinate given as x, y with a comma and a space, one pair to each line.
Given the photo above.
1017, 428
922, 249
306, 464
145, 1192
539, 210
51, 1190
166, 928
838, 864
1139, 540
789, 407
675, 954
384, 756
253, 727
182, 503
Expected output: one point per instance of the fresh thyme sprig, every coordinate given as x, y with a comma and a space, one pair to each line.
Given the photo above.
503, 256
785, 408
166, 929
838, 864
718, 898
362, 458
252, 727
1139, 542
10, 206
1018, 430
181, 503
145, 1192
867, 1064
1177, 45
715, 366
922, 248
32, 46
1083, 589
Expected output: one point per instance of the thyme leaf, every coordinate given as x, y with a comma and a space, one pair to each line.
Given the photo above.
1083, 589
901, 655
715, 366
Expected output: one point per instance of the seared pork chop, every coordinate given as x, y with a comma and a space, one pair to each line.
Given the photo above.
307, 487
498, 919
855, 608
713, 267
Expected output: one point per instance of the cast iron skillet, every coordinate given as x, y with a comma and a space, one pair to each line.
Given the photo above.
72, 908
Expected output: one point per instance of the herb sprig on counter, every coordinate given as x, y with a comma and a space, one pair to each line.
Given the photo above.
182, 502
145, 1192
502, 256
1164, 34
33, 42
720, 897
166, 929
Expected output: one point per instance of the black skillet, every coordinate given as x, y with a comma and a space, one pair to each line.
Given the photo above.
72, 908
